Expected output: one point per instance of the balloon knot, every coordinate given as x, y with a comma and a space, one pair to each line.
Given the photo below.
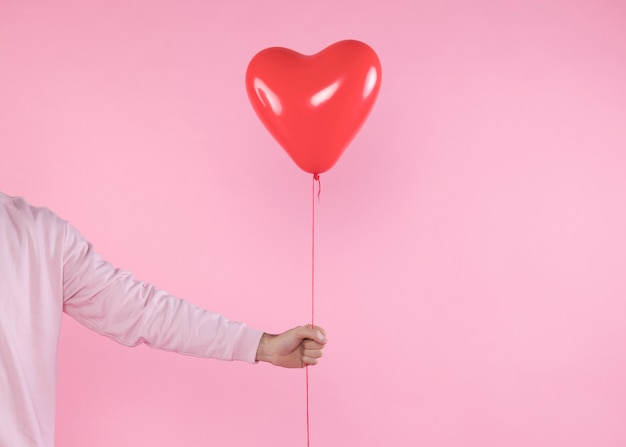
316, 178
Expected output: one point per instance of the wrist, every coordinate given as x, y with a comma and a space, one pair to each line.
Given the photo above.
263, 353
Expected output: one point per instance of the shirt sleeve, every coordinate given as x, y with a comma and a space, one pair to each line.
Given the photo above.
111, 302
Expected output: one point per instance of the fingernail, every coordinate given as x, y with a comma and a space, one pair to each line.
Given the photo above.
321, 337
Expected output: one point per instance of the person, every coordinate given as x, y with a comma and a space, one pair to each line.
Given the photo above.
47, 267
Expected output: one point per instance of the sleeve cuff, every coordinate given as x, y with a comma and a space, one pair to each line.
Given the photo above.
247, 345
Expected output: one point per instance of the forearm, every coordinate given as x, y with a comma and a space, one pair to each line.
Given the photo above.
111, 302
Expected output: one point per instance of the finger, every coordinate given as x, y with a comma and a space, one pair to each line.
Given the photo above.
309, 360
315, 354
312, 344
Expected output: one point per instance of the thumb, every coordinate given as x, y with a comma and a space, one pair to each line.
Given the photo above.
311, 333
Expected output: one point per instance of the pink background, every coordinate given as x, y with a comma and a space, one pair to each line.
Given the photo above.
471, 242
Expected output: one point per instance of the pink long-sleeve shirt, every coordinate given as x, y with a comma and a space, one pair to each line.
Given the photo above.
46, 268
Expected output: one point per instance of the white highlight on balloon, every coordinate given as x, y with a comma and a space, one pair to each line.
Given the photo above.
268, 96
370, 82
325, 94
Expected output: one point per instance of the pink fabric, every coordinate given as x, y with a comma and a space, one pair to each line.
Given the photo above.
47, 267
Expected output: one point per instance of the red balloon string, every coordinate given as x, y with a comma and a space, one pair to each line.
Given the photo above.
308, 424
316, 178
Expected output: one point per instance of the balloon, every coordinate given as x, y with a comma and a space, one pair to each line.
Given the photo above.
314, 105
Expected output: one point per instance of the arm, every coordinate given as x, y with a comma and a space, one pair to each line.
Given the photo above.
110, 301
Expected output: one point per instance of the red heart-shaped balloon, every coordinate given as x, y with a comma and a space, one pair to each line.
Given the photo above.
314, 105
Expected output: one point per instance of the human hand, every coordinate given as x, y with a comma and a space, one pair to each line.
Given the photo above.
294, 348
